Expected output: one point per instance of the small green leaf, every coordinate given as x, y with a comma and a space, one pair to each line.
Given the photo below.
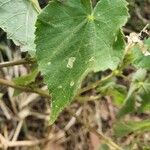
139, 59
145, 104
124, 128
129, 102
138, 84
127, 108
78, 41
144, 94
116, 91
139, 75
119, 95
26, 79
17, 18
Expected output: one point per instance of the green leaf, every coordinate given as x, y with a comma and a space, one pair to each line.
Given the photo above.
17, 18
128, 107
124, 128
26, 79
139, 75
119, 95
144, 94
145, 104
88, 5
137, 84
116, 91
139, 59
72, 42
129, 102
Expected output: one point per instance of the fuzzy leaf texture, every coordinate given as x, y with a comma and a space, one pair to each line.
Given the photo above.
17, 19
124, 128
139, 59
73, 39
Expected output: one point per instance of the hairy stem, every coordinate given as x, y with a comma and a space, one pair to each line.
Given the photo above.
17, 62
23, 88
95, 84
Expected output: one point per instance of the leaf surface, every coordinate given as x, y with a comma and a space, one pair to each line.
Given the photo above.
73, 39
145, 96
139, 59
26, 79
17, 19
124, 128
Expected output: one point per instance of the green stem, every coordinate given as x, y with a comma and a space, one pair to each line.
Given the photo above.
83, 99
95, 84
23, 88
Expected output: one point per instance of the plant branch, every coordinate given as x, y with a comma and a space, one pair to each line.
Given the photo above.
23, 88
95, 84
45, 94
100, 135
17, 62
82, 99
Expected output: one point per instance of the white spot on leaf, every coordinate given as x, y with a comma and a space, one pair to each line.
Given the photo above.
71, 61
56, 106
72, 83
91, 59
49, 63
116, 38
60, 87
